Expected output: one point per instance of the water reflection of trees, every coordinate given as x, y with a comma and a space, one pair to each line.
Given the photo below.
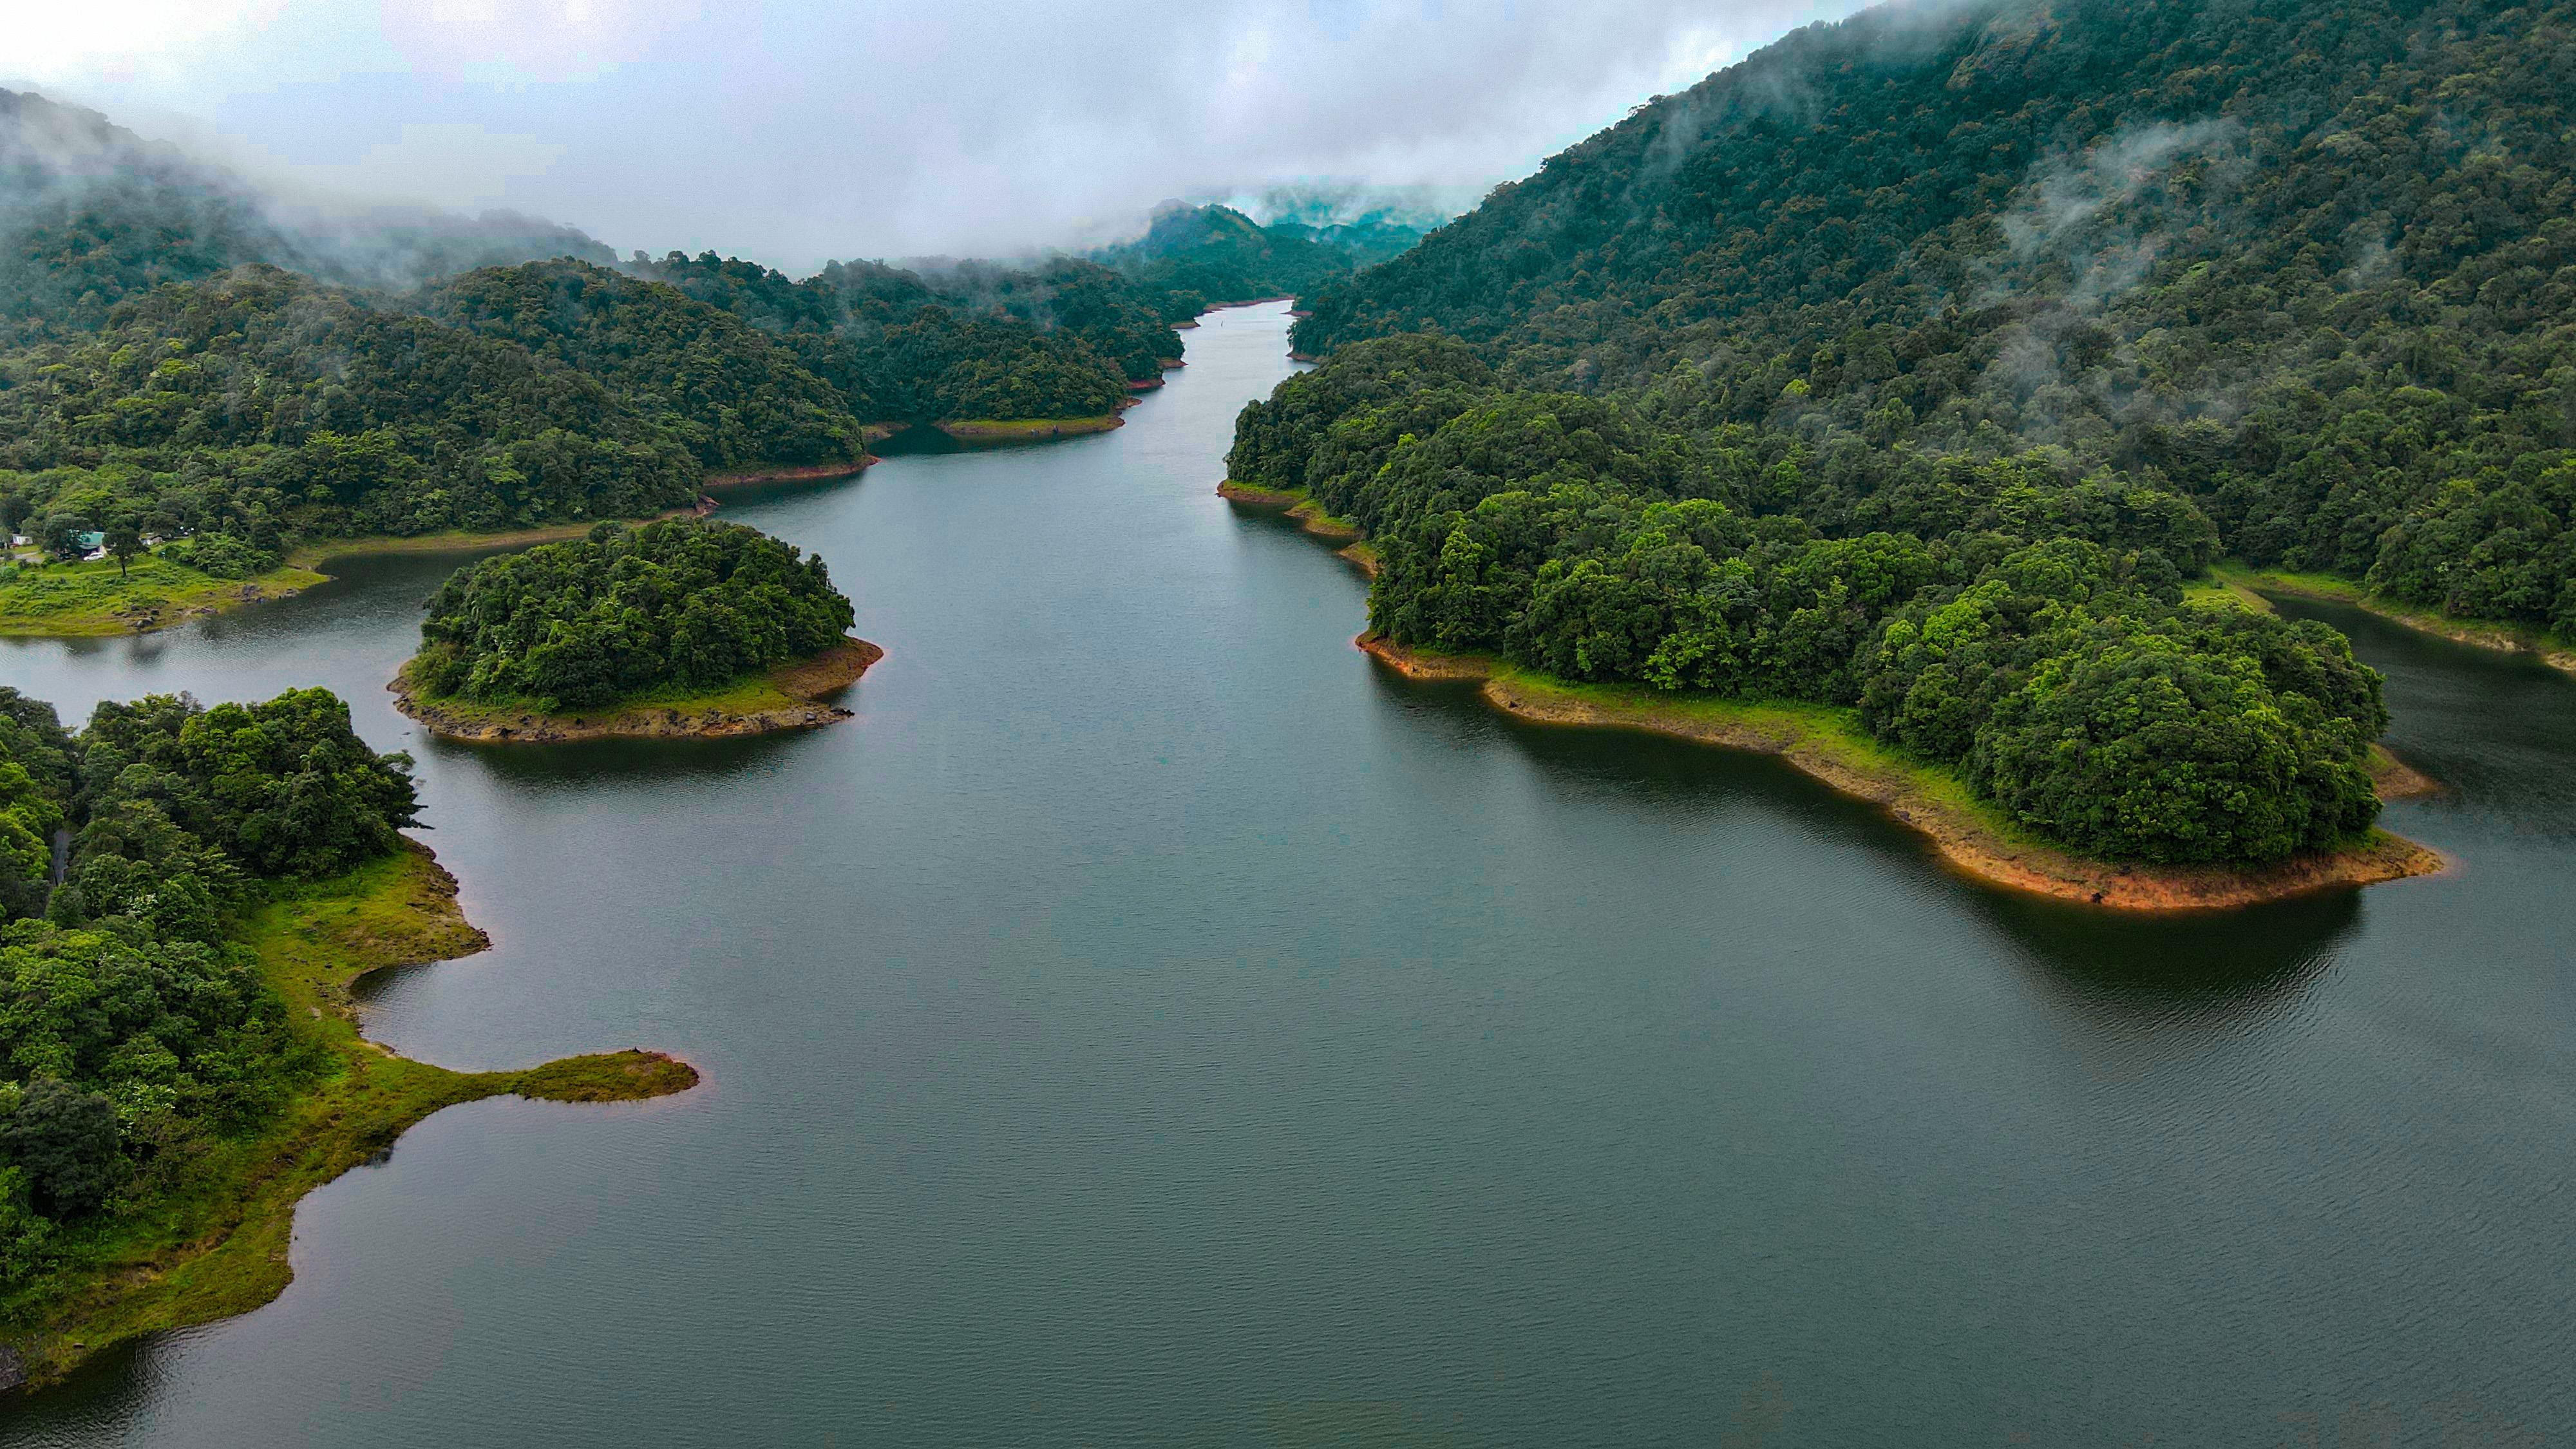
611, 762
2129, 991
2113, 973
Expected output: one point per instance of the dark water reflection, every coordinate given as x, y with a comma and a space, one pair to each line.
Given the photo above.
2499, 730
1148, 1022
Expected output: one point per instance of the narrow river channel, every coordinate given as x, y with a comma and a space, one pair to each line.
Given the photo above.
1148, 1022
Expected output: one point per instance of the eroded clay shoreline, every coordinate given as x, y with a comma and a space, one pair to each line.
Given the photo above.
1973, 846
806, 684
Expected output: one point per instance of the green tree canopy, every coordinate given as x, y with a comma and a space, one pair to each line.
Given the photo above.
680, 602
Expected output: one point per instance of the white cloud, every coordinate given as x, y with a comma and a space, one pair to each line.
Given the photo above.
452, 164
800, 129
530, 40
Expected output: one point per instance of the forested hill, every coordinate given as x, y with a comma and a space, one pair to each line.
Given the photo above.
1198, 257
2305, 264
731, 393
91, 213
980, 341
257, 405
1916, 364
185, 356
1368, 224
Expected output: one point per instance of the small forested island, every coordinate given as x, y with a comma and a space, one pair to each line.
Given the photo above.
178, 1060
682, 627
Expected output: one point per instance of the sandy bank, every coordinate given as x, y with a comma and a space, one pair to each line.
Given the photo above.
1310, 515
791, 697
2395, 779
1971, 836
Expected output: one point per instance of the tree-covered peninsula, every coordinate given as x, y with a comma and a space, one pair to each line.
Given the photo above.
176, 1063
682, 626
1917, 367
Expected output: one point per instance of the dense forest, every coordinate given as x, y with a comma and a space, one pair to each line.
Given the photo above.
2303, 267
679, 602
1063, 341
733, 395
2010, 619
260, 403
184, 357
91, 213
1196, 257
133, 1027
1915, 363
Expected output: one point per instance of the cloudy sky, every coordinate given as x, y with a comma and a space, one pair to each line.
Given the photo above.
797, 130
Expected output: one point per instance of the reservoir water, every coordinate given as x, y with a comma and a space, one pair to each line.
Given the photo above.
1149, 1022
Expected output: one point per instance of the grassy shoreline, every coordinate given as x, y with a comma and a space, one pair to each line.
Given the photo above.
786, 698
313, 553
215, 1244
974, 430
1972, 836
88, 600
1309, 515
1294, 502
2250, 583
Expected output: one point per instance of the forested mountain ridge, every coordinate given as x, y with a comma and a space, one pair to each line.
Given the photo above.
91, 213
1368, 224
2304, 264
1914, 364
735, 396
980, 341
259, 403
1196, 257
189, 357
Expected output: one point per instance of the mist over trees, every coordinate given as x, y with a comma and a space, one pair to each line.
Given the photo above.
2304, 266
185, 357
1915, 363
1196, 257
91, 213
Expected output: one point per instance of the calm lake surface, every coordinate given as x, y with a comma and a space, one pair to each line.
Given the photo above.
1148, 1022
